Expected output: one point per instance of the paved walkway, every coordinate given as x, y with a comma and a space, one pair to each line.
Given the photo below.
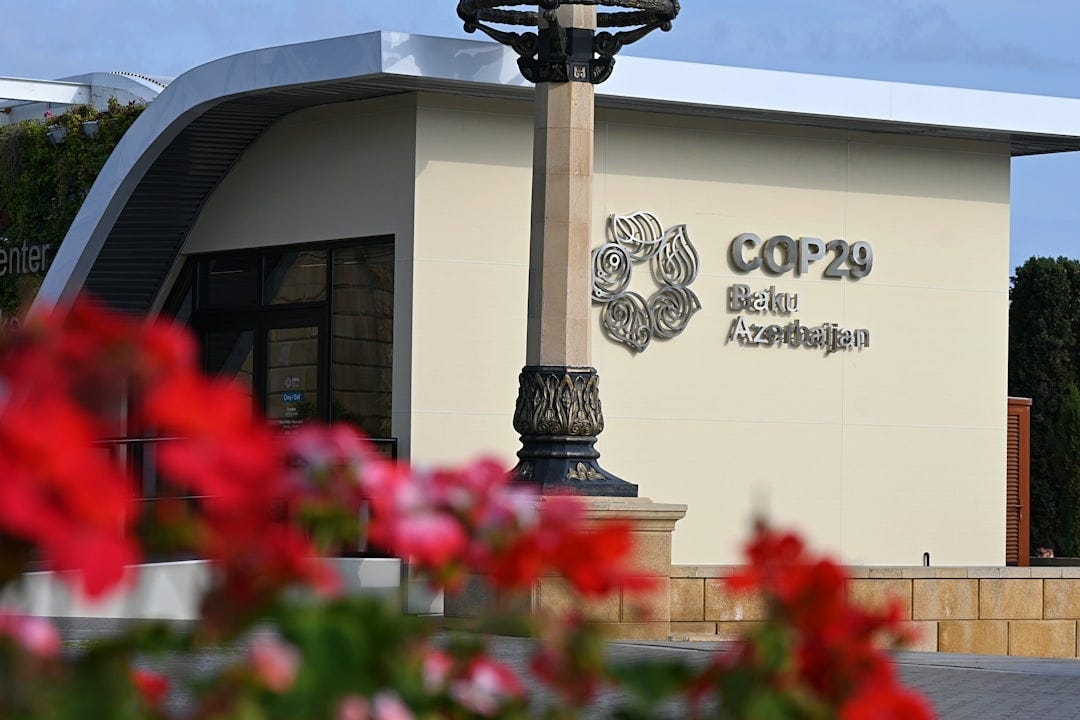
989, 687
960, 687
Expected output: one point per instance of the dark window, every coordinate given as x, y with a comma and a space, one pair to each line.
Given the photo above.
309, 329
295, 277
229, 281
362, 344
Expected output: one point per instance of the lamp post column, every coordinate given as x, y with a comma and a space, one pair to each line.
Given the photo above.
558, 406
558, 411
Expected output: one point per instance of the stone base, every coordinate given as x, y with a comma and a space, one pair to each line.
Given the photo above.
623, 616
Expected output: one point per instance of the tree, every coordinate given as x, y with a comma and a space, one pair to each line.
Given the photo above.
1064, 435
1044, 364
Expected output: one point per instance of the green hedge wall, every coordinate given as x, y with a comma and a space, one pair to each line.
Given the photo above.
42, 186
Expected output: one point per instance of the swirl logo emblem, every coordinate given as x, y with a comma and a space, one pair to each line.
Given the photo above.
627, 317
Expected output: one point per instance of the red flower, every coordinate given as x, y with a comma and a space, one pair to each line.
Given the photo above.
152, 687
834, 644
61, 493
886, 702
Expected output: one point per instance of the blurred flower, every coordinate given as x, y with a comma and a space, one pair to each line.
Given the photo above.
37, 636
152, 687
887, 702
353, 707
273, 662
388, 706
486, 686
436, 669
816, 648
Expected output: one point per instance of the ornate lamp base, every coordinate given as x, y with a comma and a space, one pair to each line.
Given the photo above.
558, 416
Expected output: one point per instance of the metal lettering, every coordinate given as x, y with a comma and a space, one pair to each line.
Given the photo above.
781, 254
737, 246
861, 259
840, 247
738, 297
19, 260
739, 331
769, 254
828, 336
810, 250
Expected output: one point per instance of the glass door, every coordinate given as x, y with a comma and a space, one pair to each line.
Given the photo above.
293, 392
280, 356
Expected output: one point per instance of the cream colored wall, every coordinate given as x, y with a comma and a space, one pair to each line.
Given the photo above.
881, 454
473, 175
332, 172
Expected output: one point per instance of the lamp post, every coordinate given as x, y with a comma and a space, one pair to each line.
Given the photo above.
558, 412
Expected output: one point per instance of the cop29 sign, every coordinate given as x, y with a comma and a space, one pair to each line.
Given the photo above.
781, 254
778, 256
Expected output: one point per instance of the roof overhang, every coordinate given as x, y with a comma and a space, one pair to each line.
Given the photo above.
136, 217
47, 91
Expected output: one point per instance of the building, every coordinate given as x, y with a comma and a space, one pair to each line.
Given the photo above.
345, 224
22, 99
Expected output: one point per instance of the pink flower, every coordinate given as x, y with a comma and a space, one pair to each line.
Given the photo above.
320, 447
436, 669
274, 662
433, 539
388, 706
36, 635
487, 685
353, 707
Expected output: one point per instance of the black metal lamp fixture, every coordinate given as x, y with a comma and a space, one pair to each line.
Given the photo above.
565, 54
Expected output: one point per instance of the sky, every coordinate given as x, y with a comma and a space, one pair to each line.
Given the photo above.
1009, 45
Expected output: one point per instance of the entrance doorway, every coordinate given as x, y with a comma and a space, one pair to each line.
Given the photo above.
307, 329
278, 356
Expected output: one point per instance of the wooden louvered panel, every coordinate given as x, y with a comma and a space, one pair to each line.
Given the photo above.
1017, 483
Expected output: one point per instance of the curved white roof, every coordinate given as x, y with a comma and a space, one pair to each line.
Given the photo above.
136, 216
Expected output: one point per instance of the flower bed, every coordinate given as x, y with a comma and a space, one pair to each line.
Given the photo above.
271, 504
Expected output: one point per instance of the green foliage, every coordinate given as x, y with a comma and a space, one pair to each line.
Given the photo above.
356, 645
1044, 364
1064, 450
42, 187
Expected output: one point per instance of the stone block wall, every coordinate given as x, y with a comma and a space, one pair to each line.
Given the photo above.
1030, 612
621, 616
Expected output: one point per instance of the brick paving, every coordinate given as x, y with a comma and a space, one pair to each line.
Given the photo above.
960, 687
988, 688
